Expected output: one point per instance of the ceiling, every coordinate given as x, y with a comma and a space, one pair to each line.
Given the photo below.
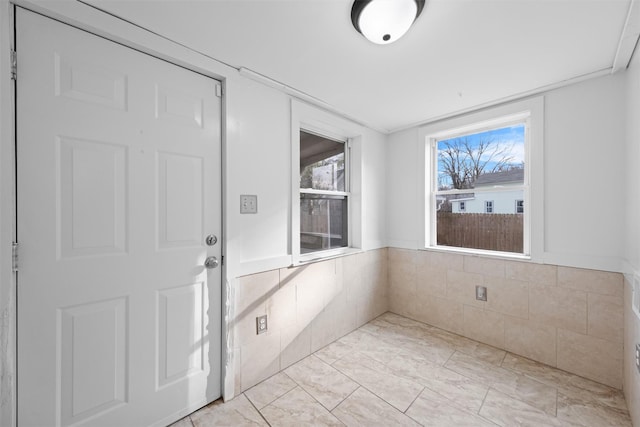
459, 54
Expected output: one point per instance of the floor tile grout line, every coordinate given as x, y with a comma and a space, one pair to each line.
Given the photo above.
414, 400
492, 384
555, 384
450, 356
350, 394
504, 356
371, 391
483, 400
335, 369
318, 402
259, 412
383, 399
449, 401
275, 398
453, 403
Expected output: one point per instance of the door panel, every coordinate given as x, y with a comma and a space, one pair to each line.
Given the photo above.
118, 185
180, 183
92, 335
92, 191
180, 344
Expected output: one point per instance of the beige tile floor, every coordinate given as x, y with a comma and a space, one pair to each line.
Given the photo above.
394, 371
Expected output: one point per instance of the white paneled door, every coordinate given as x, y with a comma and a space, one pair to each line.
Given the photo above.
118, 162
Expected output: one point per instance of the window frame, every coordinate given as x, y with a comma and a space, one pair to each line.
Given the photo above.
488, 206
346, 194
324, 123
462, 205
531, 109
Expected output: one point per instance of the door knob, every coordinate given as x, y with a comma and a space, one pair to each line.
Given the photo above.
211, 262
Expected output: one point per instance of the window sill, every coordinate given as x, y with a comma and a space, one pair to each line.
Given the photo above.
325, 255
478, 252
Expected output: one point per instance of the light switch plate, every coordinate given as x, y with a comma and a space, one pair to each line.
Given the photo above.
248, 204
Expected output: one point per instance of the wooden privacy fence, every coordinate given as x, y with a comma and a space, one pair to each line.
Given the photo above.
495, 232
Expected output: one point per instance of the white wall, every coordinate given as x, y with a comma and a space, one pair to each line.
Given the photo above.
584, 174
258, 153
632, 235
632, 166
404, 206
583, 177
373, 192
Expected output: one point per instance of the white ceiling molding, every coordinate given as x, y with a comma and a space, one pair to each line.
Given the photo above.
628, 39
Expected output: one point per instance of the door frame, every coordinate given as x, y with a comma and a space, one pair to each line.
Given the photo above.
90, 19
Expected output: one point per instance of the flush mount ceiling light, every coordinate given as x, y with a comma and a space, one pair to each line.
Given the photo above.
384, 21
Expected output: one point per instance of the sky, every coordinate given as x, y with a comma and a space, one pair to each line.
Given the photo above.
511, 138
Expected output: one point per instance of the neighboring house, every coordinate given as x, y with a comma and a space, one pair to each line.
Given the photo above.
495, 196
444, 203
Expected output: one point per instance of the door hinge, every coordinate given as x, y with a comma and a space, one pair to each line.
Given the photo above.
14, 65
14, 256
219, 91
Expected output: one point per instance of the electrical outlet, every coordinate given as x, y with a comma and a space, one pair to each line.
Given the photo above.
261, 324
481, 293
248, 204
638, 357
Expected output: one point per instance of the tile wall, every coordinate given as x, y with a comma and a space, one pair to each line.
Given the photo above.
569, 318
565, 317
307, 307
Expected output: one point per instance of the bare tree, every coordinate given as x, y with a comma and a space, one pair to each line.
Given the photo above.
462, 161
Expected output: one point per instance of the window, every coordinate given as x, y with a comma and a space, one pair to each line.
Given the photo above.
326, 184
516, 130
485, 163
519, 206
488, 206
323, 193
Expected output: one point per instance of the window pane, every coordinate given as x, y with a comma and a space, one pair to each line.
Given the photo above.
493, 157
321, 163
492, 232
488, 168
488, 206
323, 222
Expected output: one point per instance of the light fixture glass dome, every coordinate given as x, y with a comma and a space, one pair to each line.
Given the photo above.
384, 21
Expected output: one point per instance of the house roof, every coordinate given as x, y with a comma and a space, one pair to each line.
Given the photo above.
503, 177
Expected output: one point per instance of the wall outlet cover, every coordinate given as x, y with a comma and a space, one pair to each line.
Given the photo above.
261, 324
481, 293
